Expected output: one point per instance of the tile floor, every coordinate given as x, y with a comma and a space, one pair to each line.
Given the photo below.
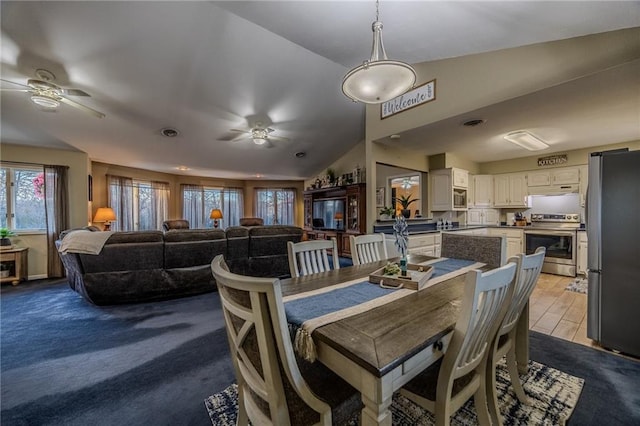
558, 312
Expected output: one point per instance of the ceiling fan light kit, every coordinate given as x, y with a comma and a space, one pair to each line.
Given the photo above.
45, 101
379, 79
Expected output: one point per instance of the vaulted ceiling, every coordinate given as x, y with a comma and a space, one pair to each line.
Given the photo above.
204, 68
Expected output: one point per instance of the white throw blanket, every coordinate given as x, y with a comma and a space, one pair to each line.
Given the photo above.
85, 242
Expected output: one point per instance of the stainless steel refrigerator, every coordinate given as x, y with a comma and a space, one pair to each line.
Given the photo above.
613, 231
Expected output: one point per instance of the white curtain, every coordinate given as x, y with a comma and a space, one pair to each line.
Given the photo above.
120, 199
275, 205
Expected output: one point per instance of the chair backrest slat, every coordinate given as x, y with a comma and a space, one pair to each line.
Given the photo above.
312, 257
368, 248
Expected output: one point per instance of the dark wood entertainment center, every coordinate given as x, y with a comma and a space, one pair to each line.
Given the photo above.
355, 204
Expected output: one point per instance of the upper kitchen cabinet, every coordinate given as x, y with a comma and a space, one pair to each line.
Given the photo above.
584, 181
449, 188
510, 190
559, 176
481, 191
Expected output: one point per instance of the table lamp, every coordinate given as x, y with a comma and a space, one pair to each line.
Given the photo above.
338, 217
215, 215
106, 215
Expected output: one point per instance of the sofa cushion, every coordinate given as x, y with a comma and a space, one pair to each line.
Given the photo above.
268, 256
175, 224
251, 221
127, 251
193, 247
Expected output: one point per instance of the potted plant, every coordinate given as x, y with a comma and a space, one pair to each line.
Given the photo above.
5, 233
331, 176
405, 201
386, 213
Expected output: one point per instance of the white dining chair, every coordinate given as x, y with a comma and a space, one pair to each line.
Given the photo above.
272, 388
529, 268
367, 248
461, 373
312, 257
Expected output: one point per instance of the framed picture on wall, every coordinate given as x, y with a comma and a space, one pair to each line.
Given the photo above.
380, 197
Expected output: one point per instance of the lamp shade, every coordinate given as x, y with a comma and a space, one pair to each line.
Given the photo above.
338, 216
104, 214
216, 214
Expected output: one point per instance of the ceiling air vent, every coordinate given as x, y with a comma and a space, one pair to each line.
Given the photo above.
473, 123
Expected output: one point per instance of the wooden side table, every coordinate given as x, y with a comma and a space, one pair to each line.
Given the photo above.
19, 268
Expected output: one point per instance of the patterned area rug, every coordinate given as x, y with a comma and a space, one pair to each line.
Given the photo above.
579, 285
553, 396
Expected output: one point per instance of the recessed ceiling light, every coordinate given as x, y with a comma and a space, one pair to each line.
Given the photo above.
474, 122
169, 132
182, 168
300, 154
394, 137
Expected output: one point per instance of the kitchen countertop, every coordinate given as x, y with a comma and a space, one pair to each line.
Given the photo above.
469, 227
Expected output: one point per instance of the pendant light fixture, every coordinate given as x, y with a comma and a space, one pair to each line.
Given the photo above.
378, 79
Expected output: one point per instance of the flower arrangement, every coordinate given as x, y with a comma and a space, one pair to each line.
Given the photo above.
38, 185
401, 232
391, 269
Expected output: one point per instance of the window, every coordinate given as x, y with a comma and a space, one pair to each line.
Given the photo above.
276, 205
22, 198
198, 201
139, 205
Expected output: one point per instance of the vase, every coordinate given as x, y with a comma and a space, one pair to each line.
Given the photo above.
406, 213
403, 266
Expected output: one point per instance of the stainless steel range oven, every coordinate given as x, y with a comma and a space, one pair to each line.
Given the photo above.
557, 234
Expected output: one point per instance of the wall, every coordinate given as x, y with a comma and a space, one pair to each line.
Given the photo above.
100, 170
78, 163
574, 158
346, 164
505, 74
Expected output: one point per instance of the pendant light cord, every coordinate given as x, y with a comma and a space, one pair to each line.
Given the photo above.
377, 10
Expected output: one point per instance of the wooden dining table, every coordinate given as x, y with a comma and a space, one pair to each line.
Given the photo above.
380, 350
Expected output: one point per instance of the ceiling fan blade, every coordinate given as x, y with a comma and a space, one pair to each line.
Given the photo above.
13, 82
75, 92
239, 131
279, 138
82, 107
16, 90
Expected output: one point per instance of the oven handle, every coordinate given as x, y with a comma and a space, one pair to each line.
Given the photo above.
558, 233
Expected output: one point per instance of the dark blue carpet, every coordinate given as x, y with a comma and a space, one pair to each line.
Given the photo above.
66, 362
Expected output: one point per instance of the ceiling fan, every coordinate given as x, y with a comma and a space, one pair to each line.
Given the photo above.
48, 95
260, 134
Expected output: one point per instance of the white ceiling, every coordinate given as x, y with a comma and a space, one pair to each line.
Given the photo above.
207, 67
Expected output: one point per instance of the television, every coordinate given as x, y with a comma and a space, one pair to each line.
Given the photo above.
329, 214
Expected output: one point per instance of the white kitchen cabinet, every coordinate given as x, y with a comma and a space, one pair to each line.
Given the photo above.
483, 217
426, 244
515, 239
565, 176
510, 190
447, 190
559, 176
581, 255
584, 181
539, 178
481, 191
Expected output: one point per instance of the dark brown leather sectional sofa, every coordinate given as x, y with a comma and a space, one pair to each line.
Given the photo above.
153, 265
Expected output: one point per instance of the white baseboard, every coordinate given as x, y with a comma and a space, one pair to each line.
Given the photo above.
37, 277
